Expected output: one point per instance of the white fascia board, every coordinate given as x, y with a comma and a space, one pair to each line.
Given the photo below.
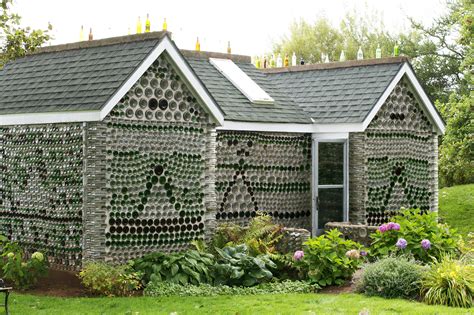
290, 127
427, 104
166, 45
331, 136
48, 118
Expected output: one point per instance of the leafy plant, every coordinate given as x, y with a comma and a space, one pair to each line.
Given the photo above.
104, 279
175, 289
235, 266
260, 236
17, 269
286, 268
391, 277
329, 259
449, 282
187, 267
425, 237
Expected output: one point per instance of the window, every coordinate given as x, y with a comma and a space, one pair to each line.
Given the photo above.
241, 81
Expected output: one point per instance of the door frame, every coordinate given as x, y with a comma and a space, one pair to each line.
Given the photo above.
342, 137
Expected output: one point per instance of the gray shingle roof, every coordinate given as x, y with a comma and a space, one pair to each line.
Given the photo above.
69, 80
236, 106
338, 95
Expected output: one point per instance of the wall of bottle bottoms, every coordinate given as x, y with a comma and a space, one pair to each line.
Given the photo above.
41, 189
264, 172
401, 158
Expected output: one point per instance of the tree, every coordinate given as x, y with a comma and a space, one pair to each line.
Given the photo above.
16, 41
311, 40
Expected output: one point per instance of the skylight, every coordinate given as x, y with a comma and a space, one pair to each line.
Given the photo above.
241, 81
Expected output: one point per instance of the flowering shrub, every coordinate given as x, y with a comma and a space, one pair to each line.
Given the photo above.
391, 277
17, 269
416, 234
449, 282
329, 259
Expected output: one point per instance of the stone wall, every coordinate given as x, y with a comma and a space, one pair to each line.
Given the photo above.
267, 172
41, 190
156, 151
394, 162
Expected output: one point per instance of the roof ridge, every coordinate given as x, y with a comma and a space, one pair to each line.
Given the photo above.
211, 54
338, 64
101, 42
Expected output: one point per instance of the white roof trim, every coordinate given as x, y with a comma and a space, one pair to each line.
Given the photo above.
48, 118
164, 45
290, 127
428, 105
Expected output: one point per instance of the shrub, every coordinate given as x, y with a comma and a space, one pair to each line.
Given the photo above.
260, 236
236, 267
330, 259
449, 282
175, 289
416, 234
17, 269
391, 277
286, 267
105, 279
187, 267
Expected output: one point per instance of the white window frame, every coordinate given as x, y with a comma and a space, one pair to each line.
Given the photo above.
333, 138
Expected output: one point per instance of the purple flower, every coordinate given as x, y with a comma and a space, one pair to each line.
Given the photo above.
363, 253
298, 255
401, 243
396, 227
383, 228
426, 244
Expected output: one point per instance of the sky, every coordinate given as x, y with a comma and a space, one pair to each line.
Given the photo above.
250, 26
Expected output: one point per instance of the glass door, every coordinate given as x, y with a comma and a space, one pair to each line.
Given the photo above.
330, 183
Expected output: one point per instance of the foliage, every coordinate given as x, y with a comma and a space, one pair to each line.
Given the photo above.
16, 41
16, 268
310, 41
260, 236
285, 267
174, 289
329, 259
456, 163
236, 267
187, 267
105, 279
449, 282
414, 227
391, 277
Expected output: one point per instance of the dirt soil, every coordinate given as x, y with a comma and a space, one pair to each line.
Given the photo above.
59, 283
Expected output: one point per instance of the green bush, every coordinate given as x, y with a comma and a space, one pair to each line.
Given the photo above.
329, 259
415, 227
236, 267
190, 266
17, 269
391, 277
260, 236
175, 289
105, 279
449, 282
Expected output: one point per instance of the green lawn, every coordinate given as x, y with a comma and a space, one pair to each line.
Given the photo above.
456, 207
257, 304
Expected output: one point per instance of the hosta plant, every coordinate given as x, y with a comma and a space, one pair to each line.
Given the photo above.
235, 266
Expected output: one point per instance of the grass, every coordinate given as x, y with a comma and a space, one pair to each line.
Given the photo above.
456, 207
257, 304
